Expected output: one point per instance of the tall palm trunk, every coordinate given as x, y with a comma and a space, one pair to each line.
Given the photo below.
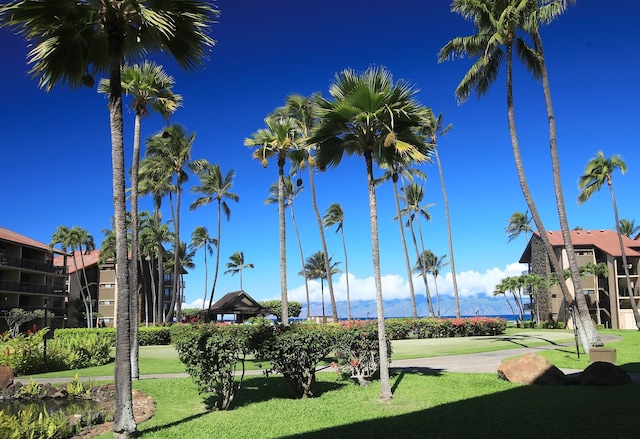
123, 423
327, 262
632, 298
346, 270
589, 330
283, 243
135, 250
215, 274
529, 199
304, 270
86, 285
423, 268
206, 277
448, 219
385, 383
82, 292
407, 263
176, 256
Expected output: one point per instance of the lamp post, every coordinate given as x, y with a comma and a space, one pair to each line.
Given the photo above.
46, 315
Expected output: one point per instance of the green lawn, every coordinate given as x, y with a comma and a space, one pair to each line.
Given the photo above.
438, 405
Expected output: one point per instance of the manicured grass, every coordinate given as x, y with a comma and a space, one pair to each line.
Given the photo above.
440, 406
514, 338
627, 352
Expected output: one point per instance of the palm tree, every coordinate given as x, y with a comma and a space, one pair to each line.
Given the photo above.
434, 129
290, 192
628, 228
156, 234
370, 116
302, 109
237, 264
392, 172
315, 268
333, 216
168, 157
185, 260
214, 187
599, 170
279, 139
413, 195
200, 238
70, 37
84, 242
519, 223
150, 86
497, 23
62, 236
434, 265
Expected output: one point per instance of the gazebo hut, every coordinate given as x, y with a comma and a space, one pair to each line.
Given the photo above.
240, 305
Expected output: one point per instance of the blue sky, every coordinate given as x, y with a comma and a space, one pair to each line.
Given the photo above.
56, 146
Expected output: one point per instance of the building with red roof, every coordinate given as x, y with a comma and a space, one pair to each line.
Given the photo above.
608, 297
30, 279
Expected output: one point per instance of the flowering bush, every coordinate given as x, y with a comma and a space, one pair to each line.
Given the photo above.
357, 350
23, 353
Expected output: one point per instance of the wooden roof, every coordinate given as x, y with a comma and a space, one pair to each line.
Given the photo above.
238, 302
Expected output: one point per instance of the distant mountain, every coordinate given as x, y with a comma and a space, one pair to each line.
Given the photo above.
481, 304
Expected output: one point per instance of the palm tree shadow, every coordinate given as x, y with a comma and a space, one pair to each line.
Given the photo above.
169, 425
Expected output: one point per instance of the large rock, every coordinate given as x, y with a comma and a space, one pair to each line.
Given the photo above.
6, 377
603, 373
531, 369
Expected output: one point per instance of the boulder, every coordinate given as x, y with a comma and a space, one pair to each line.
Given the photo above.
531, 369
603, 373
6, 377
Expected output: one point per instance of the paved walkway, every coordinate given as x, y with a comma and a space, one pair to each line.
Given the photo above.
483, 362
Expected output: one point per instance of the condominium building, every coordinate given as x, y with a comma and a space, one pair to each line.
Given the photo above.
608, 296
30, 279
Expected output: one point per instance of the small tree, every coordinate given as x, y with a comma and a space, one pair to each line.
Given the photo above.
276, 306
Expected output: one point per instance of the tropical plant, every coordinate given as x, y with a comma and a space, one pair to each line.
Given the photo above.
519, 223
370, 116
302, 109
315, 268
413, 195
237, 264
150, 86
214, 188
333, 216
279, 140
497, 23
628, 228
294, 307
185, 260
102, 35
598, 171
433, 129
290, 193
200, 239
392, 172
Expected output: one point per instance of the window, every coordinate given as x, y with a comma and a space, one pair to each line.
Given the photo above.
107, 285
106, 302
587, 292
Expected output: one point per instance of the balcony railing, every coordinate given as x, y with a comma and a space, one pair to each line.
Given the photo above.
23, 287
27, 264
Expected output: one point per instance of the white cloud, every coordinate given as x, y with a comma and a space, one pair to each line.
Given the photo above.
394, 286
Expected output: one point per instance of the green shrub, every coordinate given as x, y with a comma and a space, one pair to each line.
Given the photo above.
78, 350
23, 353
210, 353
154, 335
398, 329
295, 351
33, 424
108, 333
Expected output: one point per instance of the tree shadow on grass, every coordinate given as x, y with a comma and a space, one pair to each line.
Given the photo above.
521, 411
257, 389
168, 425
